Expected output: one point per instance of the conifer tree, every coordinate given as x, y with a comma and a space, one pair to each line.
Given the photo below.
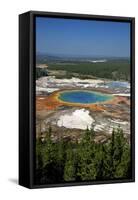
69, 169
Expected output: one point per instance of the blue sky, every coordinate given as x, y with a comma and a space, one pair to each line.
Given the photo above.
71, 37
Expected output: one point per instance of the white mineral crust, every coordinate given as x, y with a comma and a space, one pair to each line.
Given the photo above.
79, 119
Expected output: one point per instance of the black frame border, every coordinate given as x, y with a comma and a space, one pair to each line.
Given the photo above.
32, 85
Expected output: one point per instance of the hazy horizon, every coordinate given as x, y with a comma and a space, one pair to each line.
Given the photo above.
79, 56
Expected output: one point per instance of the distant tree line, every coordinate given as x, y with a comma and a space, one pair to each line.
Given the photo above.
110, 70
87, 160
41, 72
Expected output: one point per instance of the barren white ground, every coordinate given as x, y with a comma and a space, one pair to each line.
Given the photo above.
79, 119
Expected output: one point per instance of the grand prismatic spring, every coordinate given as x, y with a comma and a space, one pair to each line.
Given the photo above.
83, 97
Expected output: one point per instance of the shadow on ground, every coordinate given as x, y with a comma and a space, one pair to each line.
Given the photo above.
13, 180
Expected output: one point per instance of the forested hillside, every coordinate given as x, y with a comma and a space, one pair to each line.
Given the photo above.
66, 161
116, 70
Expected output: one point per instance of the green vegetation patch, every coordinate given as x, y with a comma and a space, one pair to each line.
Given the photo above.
41, 72
110, 70
67, 161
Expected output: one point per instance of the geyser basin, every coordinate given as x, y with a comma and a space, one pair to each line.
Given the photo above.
83, 97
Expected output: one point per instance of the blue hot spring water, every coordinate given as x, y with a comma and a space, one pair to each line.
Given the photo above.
83, 97
118, 84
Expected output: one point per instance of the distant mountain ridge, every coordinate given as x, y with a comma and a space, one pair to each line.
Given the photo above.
46, 58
